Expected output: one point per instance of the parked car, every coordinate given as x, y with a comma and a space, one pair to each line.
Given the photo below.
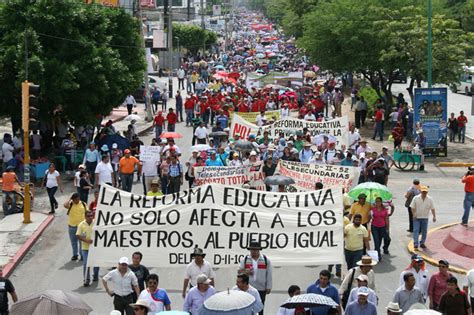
153, 81
400, 77
466, 82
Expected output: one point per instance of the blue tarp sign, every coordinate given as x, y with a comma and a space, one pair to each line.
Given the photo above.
430, 115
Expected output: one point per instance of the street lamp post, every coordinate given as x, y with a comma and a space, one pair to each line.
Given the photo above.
429, 46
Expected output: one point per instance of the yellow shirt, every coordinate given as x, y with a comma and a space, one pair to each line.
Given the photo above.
364, 211
77, 213
346, 221
354, 237
154, 194
85, 230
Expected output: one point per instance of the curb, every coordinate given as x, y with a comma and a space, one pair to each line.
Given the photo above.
9, 267
433, 261
455, 164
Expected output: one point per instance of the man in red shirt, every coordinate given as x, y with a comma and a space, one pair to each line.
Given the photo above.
468, 181
378, 129
462, 121
189, 109
159, 124
171, 118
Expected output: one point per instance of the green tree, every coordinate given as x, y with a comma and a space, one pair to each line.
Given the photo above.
85, 57
192, 37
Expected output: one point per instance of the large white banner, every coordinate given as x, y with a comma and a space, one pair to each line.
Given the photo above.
242, 126
338, 128
230, 176
302, 228
307, 175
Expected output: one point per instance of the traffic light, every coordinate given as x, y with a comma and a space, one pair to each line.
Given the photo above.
30, 108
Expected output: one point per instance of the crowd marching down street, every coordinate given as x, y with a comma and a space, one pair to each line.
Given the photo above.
263, 118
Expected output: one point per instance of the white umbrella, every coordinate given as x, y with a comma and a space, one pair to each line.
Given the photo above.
308, 300
319, 139
51, 302
230, 302
200, 147
132, 117
422, 312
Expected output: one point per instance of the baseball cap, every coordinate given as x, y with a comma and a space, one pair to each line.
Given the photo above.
123, 260
126, 151
424, 188
253, 153
202, 278
114, 146
363, 278
443, 262
416, 257
363, 291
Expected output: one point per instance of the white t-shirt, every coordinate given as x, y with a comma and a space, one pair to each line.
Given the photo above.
201, 132
470, 282
353, 137
77, 175
260, 120
193, 271
105, 172
7, 150
309, 116
422, 207
51, 179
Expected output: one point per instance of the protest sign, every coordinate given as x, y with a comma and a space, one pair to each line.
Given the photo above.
307, 175
339, 128
252, 116
243, 127
228, 175
294, 229
150, 157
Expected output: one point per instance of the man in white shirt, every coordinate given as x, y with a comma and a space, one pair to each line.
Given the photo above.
421, 205
309, 116
469, 287
354, 137
261, 119
181, 75
130, 102
17, 140
422, 278
242, 284
201, 133
124, 283
7, 150
195, 268
104, 173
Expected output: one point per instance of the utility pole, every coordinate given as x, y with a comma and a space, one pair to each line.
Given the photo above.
149, 108
430, 48
203, 25
170, 48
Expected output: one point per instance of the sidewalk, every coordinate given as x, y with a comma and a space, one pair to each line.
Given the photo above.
16, 238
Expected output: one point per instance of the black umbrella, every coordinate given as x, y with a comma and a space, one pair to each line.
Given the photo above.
243, 145
278, 180
217, 134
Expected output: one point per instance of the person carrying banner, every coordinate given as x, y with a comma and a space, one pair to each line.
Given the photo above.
259, 268
198, 266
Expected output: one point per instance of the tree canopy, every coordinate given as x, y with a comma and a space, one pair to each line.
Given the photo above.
86, 58
192, 37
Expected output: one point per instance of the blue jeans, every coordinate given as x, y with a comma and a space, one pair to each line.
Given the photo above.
378, 130
419, 226
9, 209
75, 243
189, 117
352, 257
127, 181
461, 134
379, 234
468, 204
87, 271
158, 131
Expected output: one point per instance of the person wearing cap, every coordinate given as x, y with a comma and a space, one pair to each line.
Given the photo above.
104, 173
196, 267
213, 160
323, 286
77, 177
8, 189
242, 284
155, 188
127, 166
438, 283
363, 281
124, 283
363, 267
362, 207
259, 268
198, 295
76, 212
468, 181
157, 298
141, 307
408, 294
253, 159
468, 287
421, 206
91, 159
363, 148
393, 308
84, 234
306, 154
418, 268
361, 306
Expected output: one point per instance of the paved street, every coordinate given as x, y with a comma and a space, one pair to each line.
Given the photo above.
48, 265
